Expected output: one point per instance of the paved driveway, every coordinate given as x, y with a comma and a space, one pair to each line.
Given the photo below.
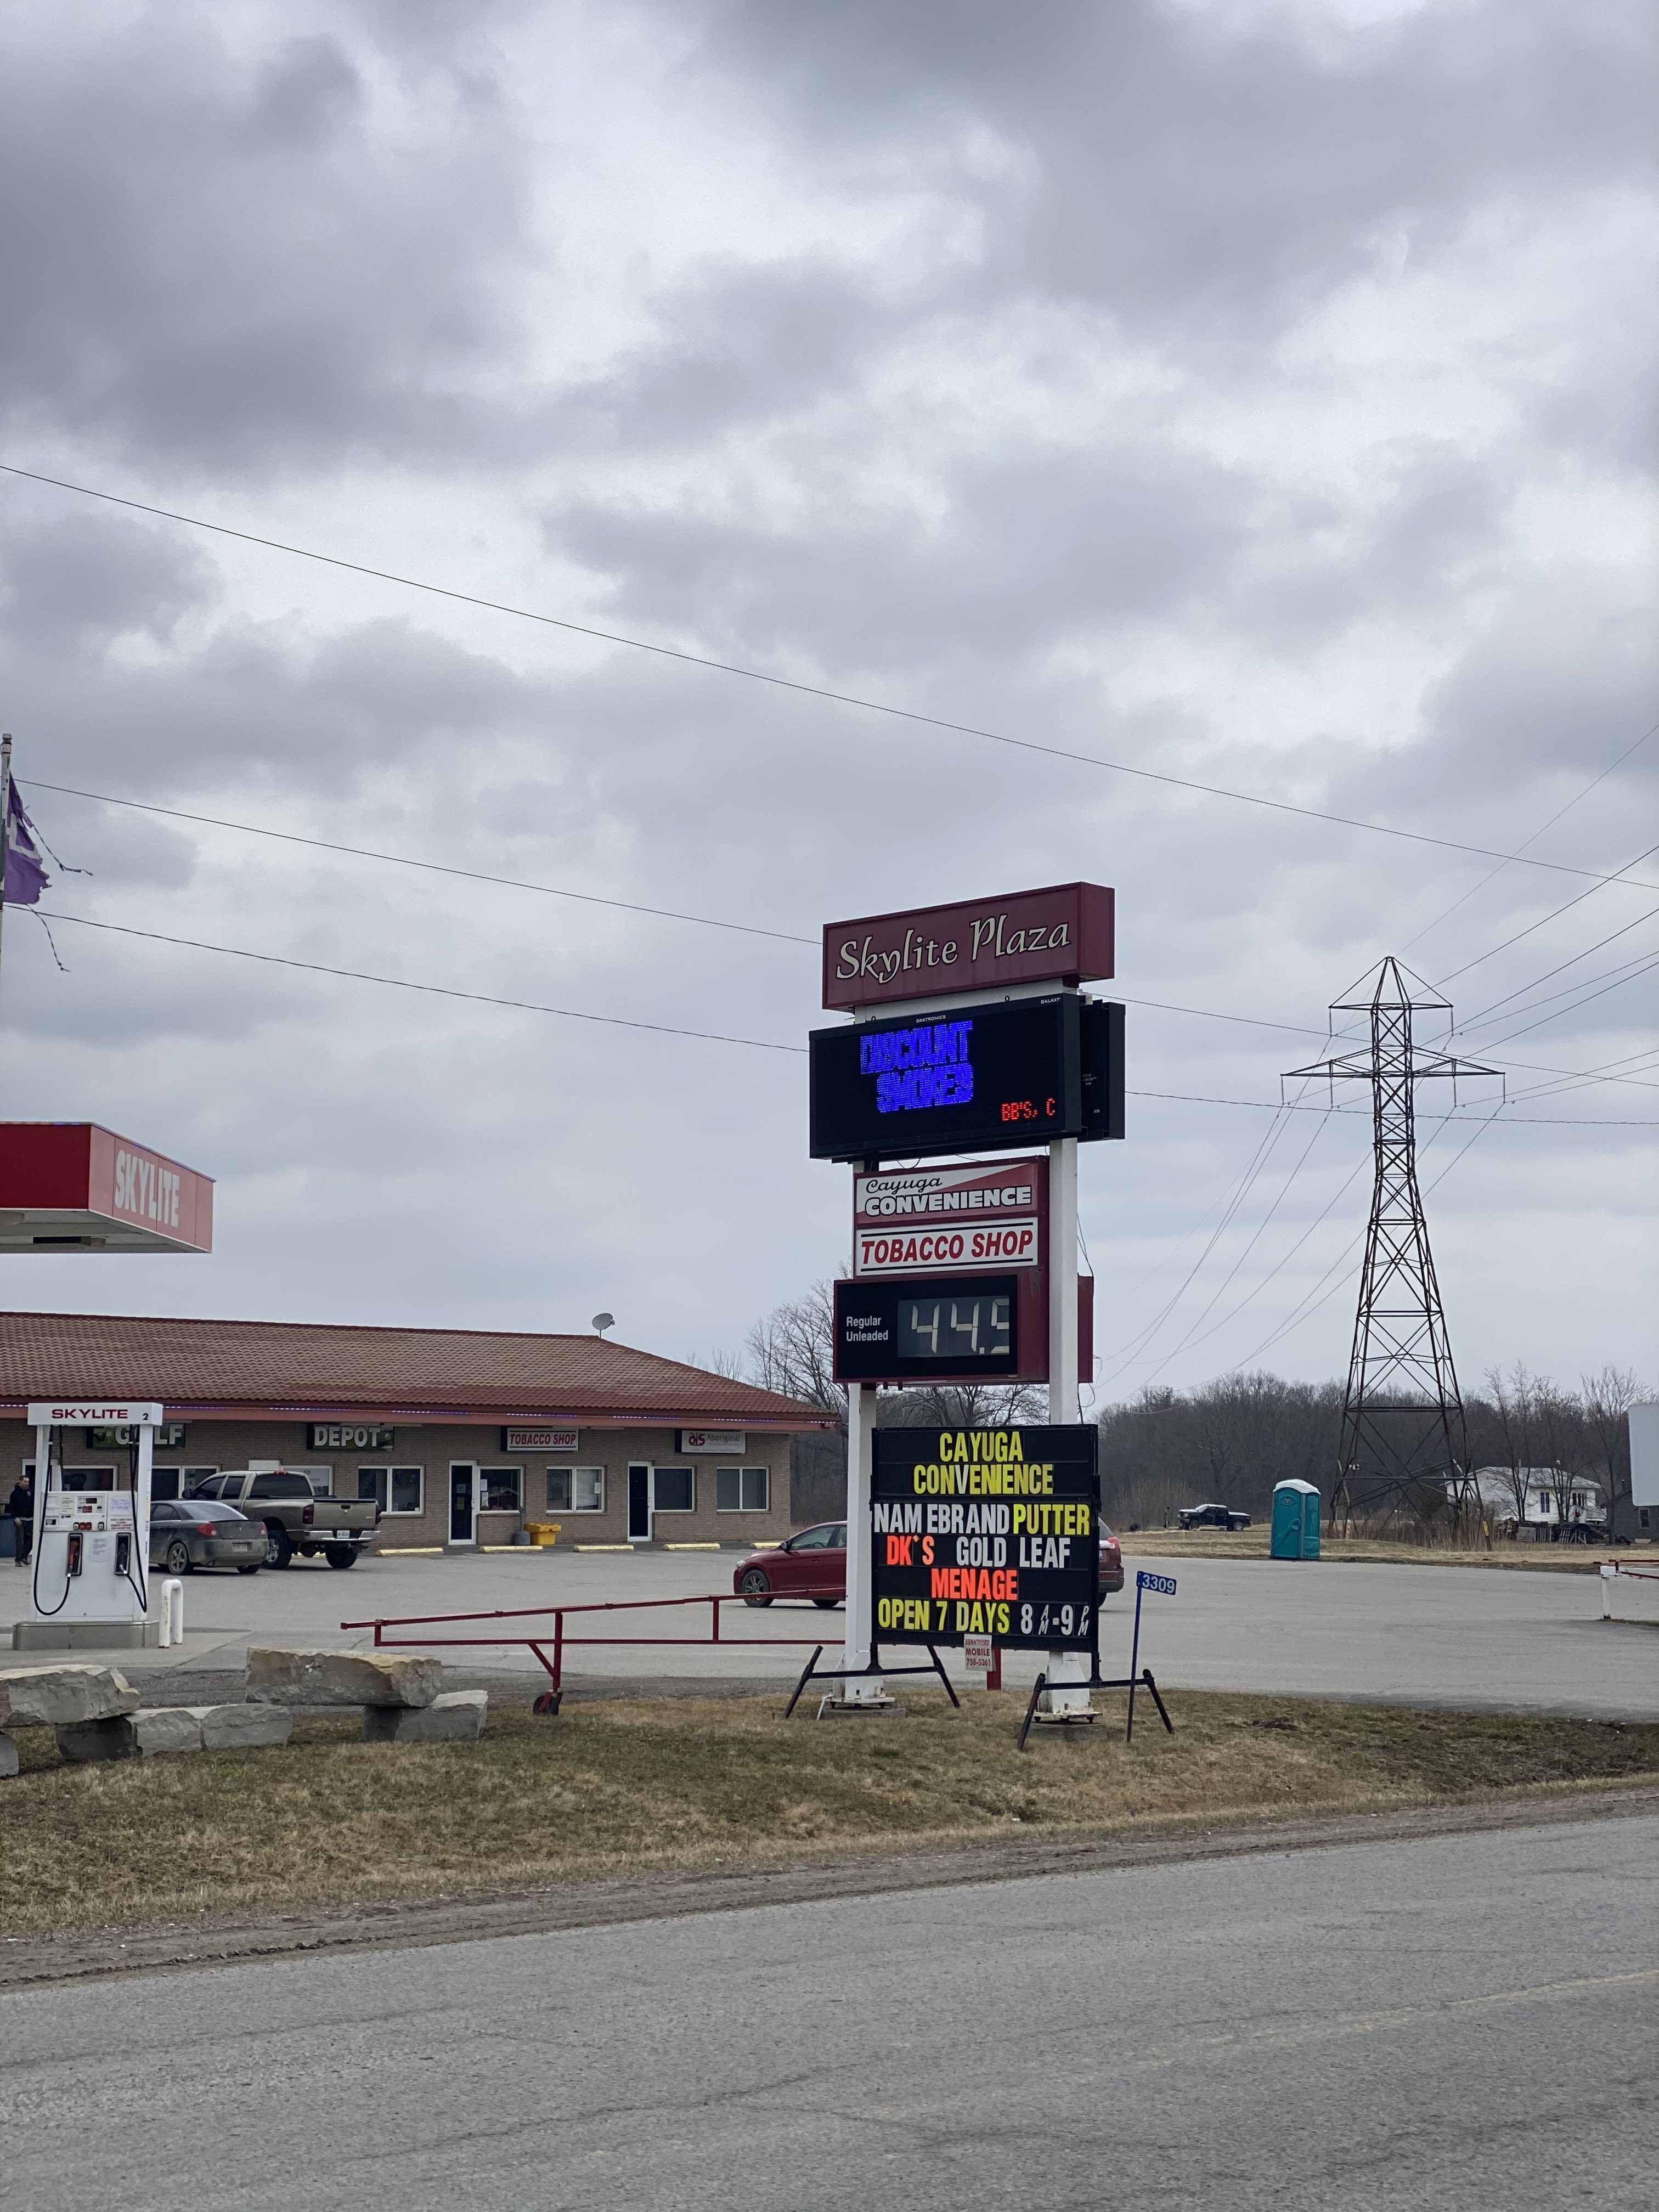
1416, 1634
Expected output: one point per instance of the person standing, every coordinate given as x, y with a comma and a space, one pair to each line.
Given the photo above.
21, 1506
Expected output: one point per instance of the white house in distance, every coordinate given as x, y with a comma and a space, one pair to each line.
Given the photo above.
1545, 1490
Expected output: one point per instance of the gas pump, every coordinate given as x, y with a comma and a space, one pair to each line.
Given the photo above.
92, 1546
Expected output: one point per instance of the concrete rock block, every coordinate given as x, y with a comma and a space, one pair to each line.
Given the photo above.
343, 1678
89, 1740
58, 1697
7, 1757
456, 1716
158, 1728
238, 1727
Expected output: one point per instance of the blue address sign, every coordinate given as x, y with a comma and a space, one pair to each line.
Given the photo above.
1164, 1584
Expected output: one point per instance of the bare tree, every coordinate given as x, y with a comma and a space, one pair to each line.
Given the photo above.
1607, 1400
1513, 1412
792, 1351
1559, 1424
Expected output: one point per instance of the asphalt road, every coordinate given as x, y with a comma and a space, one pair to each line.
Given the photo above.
1459, 1636
1466, 2021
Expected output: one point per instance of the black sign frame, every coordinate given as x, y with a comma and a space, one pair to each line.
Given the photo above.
1033, 1069
987, 1532
868, 1327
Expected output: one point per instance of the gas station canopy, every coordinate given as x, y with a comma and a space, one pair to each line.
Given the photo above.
75, 1187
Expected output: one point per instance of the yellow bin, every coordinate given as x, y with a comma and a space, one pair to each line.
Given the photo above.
542, 1533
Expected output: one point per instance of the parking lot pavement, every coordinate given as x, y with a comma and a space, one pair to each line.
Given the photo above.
1410, 1635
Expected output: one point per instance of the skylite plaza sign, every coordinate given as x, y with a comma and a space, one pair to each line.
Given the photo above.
1062, 934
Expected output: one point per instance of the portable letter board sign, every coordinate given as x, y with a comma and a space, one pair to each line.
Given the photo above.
985, 1532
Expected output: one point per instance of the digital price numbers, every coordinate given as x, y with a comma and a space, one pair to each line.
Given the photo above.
985, 1532
921, 1328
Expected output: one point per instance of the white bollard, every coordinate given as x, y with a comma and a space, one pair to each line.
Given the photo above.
173, 1613
1607, 1573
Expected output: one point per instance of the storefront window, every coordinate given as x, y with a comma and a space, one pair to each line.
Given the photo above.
676, 1490
576, 1490
742, 1489
499, 1489
394, 1489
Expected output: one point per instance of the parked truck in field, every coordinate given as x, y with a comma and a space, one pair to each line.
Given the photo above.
293, 1517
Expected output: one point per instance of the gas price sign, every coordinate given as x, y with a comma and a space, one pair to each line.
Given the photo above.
994, 1075
927, 1328
985, 1532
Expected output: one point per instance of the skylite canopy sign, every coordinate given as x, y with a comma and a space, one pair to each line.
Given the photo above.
985, 1532
74, 1187
1062, 934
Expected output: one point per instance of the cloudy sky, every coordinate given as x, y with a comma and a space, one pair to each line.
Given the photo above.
1247, 393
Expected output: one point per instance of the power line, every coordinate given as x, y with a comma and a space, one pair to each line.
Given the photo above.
660, 1028
431, 990
1475, 1021
626, 905
404, 860
1622, 875
792, 683
1476, 889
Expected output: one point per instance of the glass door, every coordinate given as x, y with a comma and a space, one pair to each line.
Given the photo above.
638, 1504
463, 1502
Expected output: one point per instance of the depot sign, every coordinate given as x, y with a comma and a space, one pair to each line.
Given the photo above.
1063, 934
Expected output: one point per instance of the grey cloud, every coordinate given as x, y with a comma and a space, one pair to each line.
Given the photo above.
1178, 172
84, 579
737, 345
1033, 547
213, 258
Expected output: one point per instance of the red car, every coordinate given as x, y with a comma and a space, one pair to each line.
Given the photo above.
814, 1565
1111, 1563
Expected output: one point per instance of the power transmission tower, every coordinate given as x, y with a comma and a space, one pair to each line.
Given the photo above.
1404, 1439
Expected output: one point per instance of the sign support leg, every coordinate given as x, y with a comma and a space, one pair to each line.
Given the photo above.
858, 1651
1068, 1672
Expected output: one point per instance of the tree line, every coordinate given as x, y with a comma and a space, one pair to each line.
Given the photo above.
1231, 1440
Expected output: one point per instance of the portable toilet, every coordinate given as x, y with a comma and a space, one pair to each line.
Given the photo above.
1296, 1521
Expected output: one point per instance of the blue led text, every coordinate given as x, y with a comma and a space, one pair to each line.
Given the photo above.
919, 1067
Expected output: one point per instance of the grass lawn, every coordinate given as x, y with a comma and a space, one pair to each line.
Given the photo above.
679, 1784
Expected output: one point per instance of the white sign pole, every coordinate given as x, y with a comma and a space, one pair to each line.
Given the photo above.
141, 1513
1065, 1668
856, 1650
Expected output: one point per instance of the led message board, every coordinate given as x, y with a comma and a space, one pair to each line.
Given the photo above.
985, 1532
989, 1076
927, 1328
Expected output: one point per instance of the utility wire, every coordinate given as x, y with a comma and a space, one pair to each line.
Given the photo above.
625, 906
1476, 889
660, 1028
793, 684
404, 860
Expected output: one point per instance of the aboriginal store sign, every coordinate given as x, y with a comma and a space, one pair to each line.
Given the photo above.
985, 1532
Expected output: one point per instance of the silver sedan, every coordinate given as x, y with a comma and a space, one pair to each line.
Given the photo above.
198, 1532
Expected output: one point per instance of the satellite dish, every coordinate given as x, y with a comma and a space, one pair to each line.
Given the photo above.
604, 1321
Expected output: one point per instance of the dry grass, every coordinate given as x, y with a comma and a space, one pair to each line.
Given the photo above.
1252, 1543
682, 1784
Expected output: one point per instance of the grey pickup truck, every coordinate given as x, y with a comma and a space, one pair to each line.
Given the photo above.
295, 1518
